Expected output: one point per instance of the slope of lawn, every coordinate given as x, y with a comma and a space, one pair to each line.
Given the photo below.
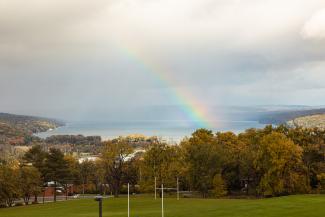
295, 206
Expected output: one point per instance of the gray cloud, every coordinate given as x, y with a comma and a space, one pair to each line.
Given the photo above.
72, 58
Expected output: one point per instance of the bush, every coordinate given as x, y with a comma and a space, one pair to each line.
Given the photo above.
19, 204
3, 206
219, 186
321, 182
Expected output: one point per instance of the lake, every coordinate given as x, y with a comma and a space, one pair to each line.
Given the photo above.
172, 131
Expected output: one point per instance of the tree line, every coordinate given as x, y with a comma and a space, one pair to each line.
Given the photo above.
273, 161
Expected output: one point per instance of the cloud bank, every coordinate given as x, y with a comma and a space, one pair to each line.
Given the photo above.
71, 58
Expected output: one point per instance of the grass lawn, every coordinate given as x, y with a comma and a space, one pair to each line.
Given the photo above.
295, 206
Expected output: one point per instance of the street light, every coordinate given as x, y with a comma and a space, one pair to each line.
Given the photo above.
99, 198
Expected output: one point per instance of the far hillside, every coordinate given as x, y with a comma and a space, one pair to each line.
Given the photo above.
282, 117
310, 121
21, 127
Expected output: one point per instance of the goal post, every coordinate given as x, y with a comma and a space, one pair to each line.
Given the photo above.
166, 188
162, 200
128, 199
155, 188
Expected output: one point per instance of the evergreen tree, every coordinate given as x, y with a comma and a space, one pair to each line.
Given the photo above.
56, 168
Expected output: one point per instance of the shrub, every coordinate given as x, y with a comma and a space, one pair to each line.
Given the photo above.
321, 182
219, 186
19, 204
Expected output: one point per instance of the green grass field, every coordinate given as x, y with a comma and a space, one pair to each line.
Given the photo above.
295, 206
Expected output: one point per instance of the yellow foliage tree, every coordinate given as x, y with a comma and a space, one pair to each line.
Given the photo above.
279, 163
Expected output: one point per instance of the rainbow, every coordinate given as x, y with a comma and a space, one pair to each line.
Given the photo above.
190, 106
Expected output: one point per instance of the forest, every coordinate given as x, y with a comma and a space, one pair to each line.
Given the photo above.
268, 162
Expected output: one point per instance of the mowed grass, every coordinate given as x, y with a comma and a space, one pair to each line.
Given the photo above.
291, 206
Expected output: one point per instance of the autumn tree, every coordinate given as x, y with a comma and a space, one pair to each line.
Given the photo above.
9, 185
233, 156
202, 160
312, 143
30, 183
279, 162
73, 173
251, 138
160, 162
88, 174
99, 176
131, 172
114, 157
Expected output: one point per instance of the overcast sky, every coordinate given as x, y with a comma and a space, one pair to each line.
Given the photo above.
67, 58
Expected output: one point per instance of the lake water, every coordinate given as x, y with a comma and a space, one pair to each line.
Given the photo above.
172, 131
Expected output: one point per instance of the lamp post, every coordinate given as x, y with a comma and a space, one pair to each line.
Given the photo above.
99, 198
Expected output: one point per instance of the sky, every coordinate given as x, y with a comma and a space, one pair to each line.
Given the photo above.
79, 59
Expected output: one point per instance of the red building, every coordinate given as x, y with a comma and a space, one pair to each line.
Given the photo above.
60, 190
